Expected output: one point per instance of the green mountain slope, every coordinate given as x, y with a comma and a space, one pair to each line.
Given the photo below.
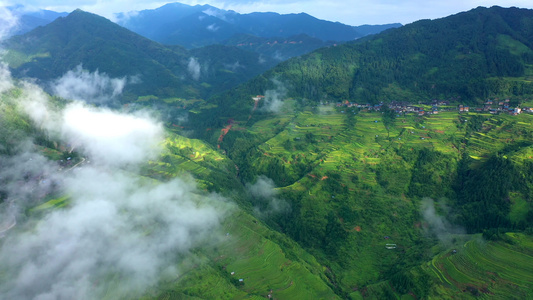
471, 56
242, 248
356, 185
357, 226
82, 38
478, 268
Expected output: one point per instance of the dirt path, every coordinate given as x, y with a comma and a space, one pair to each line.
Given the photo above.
223, 133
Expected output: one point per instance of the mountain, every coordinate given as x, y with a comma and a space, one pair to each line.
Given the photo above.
96, 43
195, 30
29, 20
195, 26
154, 22
469, 57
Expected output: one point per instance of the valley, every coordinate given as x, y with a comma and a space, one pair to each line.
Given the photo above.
395, 166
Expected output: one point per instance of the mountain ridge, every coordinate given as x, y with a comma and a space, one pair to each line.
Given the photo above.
159, 23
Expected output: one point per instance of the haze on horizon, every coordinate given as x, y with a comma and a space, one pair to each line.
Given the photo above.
355, 13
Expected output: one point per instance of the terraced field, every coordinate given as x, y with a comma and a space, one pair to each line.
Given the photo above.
248, 263
371, 158
487, 270
189, 156
266, 268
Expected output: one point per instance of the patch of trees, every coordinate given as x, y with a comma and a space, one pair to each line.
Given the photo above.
414, 281
432, 175
475, 124
483, 193
393, 174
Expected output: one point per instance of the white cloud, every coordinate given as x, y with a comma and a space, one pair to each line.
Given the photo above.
95, 87
438, 225
120, 232
234, 66
109, 137
117, 228
194, 68
212, 12
124, 16
213, 27
274, 99
8, 22
264, 197
5, 78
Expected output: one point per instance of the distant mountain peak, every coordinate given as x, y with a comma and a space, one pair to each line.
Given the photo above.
162, 24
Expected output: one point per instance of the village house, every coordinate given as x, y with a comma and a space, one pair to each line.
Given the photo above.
515, 111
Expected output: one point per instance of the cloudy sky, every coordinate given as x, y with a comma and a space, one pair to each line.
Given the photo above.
352, 12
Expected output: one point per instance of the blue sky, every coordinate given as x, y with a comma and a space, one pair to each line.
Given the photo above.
352, 12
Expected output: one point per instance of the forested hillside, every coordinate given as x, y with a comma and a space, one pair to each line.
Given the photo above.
468, 57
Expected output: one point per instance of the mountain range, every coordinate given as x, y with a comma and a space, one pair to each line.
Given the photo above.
200, 25
96, 43
203, 25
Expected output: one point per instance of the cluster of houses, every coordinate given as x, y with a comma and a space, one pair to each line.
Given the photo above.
401, 107
493, 107
498, 107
